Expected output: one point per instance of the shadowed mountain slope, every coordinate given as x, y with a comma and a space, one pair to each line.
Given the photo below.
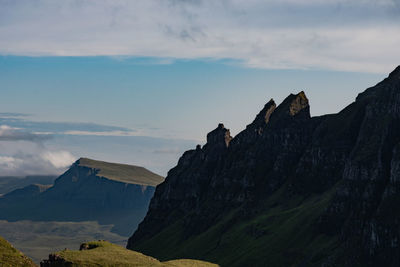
10, 183
90, 190
289, 190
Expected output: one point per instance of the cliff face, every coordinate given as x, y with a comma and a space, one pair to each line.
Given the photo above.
82, 186
288, 190
82, 193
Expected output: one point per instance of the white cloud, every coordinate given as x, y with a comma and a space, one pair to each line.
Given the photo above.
8, 133
103, 133
24, 153
59, 159
35, 161
348, 35
8, 163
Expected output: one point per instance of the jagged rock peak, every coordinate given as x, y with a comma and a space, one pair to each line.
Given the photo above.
219, 137
262, 117
295, 105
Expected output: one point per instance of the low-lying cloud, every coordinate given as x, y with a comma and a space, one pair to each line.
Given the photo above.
35, 162
8, 133
32, 147
25, 153
103, 133
349, 35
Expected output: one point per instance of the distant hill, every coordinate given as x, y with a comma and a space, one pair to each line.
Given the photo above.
10, 183
11, 257
27, 191
110, 193
103, 253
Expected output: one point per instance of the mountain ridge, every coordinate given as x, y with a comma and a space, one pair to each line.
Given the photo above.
329, 182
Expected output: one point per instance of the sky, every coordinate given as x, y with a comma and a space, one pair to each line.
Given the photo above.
140, 82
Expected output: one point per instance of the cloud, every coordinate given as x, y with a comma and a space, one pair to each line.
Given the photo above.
8, 133
59, 159
29, 147
103, 133
25, 153
29, 163
27, 157
349, 35
12, 114
40, 129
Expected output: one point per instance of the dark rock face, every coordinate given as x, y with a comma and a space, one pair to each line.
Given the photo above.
355, 154
83, 186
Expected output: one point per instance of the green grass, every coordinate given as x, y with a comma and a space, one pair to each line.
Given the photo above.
123, 172
282, 234
103, 253
11, 257
38, 239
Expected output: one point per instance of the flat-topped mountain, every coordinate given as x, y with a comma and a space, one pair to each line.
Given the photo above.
109, 193
122, 172
289, 190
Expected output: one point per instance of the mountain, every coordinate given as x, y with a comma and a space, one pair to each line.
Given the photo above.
10, 183
103, 253
11, 257
27, 191
90, 190
289, 190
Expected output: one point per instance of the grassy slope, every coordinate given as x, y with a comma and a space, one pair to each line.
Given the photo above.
10, 257
122, 172
103, 253
38, 239
281, 235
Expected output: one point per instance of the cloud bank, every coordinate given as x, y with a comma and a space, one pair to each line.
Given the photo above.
32, 147
8, 133
24, 153
24, 149
349, 35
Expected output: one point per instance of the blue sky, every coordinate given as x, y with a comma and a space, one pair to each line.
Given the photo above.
141, 81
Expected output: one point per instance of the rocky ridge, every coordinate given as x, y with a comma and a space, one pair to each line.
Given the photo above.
332, 181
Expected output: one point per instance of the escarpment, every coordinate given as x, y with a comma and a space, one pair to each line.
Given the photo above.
109, 193
289, 190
